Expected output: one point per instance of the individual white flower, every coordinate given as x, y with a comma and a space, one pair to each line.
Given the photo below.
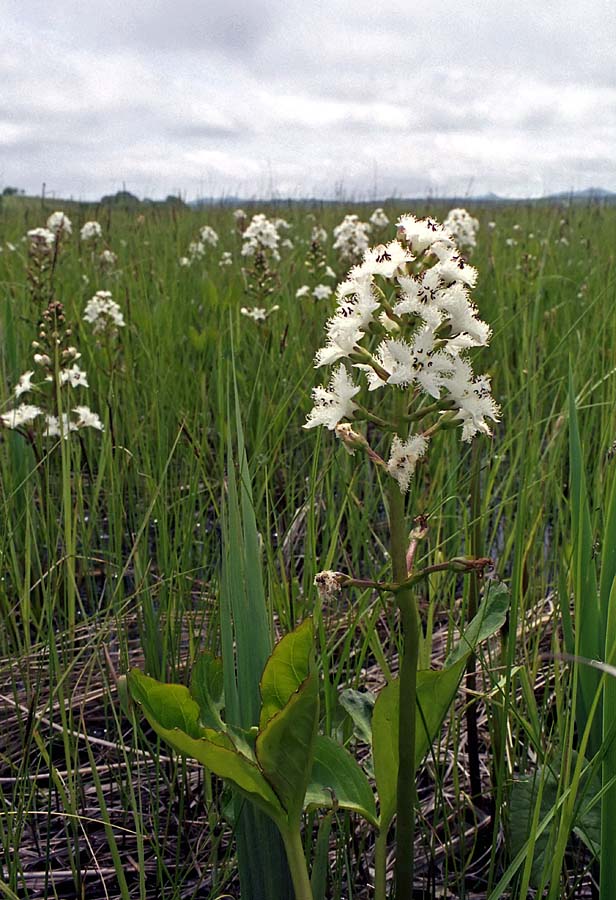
24, 385
303, 291
258, 313
335, 402
91, 231
404, 457
417, 363
74, 376
379, 219
56, 427
239, 214
226, 259
287, 244
386, 260
322, 292
184, 262
10, 247
87, 419
421, 234
453, 267
329, 272
59, 223
473, 399
21, 415
491, 225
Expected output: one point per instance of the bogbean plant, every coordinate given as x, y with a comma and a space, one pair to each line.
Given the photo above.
405, 325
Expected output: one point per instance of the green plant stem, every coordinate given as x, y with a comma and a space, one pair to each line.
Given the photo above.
380, 866
292, 838
407, 712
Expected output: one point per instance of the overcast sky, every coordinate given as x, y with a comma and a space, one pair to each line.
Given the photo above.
358, 98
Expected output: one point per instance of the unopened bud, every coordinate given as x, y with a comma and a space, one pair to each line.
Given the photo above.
351, 439
328, 584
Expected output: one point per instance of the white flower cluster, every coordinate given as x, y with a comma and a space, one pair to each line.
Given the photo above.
197, 249
59, 223
262, 235
52, 426
103, 314
91, 231
463, 228
405, 318
207, 235
41, 239
379, 218
351, 239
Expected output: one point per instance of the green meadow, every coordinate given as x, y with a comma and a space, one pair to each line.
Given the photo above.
204, 509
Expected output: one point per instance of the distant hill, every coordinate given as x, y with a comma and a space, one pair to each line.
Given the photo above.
587, 195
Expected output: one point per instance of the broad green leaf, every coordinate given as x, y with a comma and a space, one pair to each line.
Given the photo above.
336, 776
359, 706
490, 616
207, 688
213, 749
286, 669
385, 750
285, 746
171, 705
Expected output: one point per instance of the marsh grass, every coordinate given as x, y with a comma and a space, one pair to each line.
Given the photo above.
110, 555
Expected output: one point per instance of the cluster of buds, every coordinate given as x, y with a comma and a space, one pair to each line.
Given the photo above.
316, 263
42, 248
405, 320
55, 359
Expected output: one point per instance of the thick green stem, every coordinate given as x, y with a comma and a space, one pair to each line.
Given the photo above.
297, 863
380, 866
407, 711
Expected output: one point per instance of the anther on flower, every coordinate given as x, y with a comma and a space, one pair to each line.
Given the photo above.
328, 583
404, 458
